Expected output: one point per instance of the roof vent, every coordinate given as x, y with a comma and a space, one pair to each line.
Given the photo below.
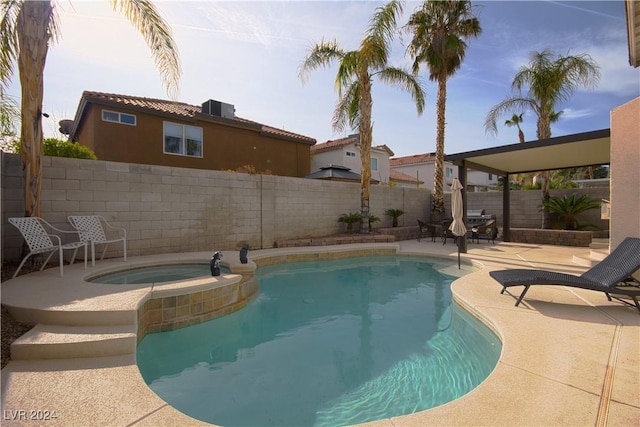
219, 109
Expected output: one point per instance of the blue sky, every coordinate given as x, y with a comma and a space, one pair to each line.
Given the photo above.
248, 54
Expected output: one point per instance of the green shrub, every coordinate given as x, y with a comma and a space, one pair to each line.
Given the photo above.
57, 148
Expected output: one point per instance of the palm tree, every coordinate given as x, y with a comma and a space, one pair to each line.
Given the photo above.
9, 117
439, 29
550, 79
515, 120
356, 69
26, 30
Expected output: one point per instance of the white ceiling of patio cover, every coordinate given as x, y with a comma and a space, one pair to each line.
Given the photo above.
585, 149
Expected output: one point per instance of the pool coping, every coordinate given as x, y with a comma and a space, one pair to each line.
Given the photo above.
593, 381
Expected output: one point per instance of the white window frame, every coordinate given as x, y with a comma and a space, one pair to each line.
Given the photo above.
181, 139
374, 163
119, 120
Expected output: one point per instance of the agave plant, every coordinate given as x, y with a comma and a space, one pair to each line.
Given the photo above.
569, 206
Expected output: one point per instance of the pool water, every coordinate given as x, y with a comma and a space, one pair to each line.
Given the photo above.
325, 343
155, 274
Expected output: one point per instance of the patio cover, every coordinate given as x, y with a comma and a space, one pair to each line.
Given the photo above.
570, 151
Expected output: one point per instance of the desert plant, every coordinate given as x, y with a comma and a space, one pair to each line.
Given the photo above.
350, 219
372, 220
394, 213
569, 206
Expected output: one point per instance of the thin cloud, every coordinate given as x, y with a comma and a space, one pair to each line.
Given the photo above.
570, 113
583, 9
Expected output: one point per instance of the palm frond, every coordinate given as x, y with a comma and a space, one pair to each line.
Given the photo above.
383, 23
346, 71
506, 107
439, 30
144, 16
320, 55
347, 111
8, 40
407, 82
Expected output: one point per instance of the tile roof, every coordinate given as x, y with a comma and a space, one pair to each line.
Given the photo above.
394, 175
335, 143
410, 160
179, 109
351, 139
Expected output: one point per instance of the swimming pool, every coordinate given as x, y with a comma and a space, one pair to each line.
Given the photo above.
326, 343
155, 274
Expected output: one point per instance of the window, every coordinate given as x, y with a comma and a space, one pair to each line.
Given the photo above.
490, 177
115, 117
182, 140
374, 164
449, 172
351, 154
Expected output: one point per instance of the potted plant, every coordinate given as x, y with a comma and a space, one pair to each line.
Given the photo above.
394, 213
350, 219
567, 207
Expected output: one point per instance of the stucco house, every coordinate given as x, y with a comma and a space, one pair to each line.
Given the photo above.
403, 180
132, 129
422, 167
346, 152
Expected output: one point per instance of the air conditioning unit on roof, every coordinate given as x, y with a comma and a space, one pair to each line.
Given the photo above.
219, 109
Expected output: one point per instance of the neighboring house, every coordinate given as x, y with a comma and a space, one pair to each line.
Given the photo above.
346, 152
133, 129
403, 180
422, 167
481, 181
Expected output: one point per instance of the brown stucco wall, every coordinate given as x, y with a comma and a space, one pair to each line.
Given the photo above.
225, 146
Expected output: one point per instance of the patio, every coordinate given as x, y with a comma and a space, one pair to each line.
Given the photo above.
570, 357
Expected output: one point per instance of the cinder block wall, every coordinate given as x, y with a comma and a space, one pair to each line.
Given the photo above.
525, 204
167, 209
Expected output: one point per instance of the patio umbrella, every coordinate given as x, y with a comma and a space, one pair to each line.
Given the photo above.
457, 226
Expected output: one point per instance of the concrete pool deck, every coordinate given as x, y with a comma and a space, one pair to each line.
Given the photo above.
569, 357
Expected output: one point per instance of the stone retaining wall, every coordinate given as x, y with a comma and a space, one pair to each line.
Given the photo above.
551, 237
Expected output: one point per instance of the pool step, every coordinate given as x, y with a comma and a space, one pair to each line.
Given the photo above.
67, 342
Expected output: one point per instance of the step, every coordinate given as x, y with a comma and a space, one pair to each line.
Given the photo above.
584, 261
68, 342
595, 256
599, 254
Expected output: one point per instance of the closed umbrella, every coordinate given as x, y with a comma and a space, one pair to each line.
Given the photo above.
457, 226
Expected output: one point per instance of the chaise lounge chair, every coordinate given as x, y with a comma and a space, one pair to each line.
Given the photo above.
612, 275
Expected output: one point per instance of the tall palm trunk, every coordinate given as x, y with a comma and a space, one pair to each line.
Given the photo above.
33, 39
544, 132
438, 175
366, 137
